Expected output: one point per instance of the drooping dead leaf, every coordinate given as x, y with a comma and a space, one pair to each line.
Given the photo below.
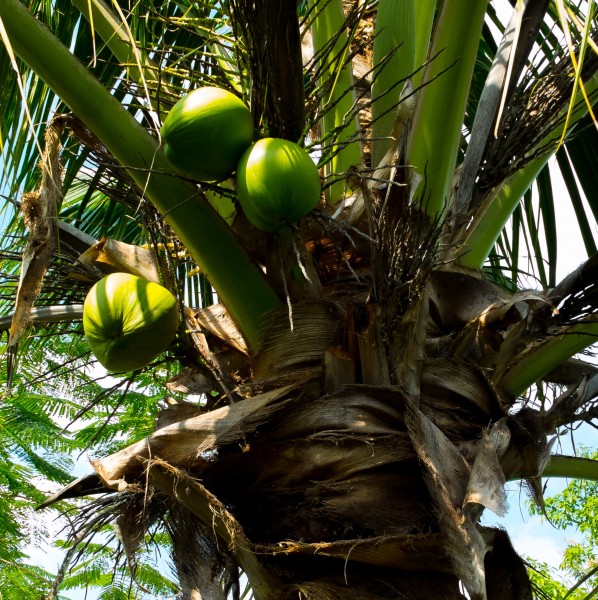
130, 529
443, 461
85, 485
39, 210
111, 256
183, 443
446, 474
486, 485
200, 560
196, 498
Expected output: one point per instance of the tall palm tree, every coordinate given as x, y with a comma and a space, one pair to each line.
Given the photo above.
372, 374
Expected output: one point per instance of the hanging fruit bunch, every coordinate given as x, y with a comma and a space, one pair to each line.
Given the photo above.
208, 134
128, 321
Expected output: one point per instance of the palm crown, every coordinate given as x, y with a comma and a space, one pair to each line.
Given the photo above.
366, 370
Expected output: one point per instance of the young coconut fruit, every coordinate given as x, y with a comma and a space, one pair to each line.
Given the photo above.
277, 183
128, 321
206, 132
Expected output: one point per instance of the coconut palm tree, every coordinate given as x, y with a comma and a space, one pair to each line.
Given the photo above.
371, 375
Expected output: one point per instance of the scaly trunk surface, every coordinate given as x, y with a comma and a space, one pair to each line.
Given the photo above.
364, 440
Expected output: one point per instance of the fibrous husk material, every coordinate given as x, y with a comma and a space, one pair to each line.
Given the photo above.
301, 476
39, 210
300, 338
320, 483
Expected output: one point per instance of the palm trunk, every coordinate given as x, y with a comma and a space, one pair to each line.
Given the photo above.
367, 447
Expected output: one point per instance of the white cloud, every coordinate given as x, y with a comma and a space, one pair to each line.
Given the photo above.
540, 541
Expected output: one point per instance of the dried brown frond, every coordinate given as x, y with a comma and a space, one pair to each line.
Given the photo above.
39, 209
85, 522
202, 564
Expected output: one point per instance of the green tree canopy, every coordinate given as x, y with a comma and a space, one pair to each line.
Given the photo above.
574, 507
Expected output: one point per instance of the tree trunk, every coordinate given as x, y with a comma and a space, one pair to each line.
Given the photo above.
361, 457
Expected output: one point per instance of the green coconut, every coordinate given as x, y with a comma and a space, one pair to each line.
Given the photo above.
128, 321
277, 183
206, 132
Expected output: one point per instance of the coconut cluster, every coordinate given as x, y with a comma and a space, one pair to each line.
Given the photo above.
209, 134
